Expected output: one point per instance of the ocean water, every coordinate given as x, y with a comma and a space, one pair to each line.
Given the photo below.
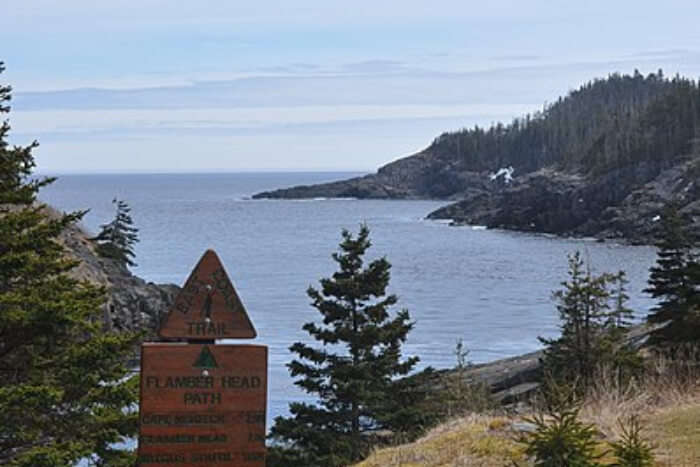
490, 288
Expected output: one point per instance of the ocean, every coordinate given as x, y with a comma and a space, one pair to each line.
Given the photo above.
490, 288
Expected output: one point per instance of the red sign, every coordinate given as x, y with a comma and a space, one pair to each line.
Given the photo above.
208, 306
202, 405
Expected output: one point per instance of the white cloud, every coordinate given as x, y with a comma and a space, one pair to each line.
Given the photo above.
144, 120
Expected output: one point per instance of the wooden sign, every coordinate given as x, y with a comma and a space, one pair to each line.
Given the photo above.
208, 306
202, 405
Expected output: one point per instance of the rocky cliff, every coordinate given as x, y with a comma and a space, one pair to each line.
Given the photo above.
623, 204
132, 303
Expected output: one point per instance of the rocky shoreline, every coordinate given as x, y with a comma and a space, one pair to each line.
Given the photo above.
620, 204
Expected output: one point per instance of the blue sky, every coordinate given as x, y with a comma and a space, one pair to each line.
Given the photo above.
156, 85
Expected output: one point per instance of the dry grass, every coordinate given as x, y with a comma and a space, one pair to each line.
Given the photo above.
666, 386
667, 402
675, 432
474, 440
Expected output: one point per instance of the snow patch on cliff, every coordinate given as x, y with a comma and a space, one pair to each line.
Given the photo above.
505, 172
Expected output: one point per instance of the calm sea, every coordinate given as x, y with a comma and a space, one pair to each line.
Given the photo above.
490, 288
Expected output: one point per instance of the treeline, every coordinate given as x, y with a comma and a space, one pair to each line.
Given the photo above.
606, 124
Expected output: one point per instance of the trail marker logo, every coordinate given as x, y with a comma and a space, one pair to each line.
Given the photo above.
206, 360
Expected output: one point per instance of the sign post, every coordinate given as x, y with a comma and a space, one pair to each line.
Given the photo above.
204, 404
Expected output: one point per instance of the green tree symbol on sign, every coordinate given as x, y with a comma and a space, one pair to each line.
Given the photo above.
206, 360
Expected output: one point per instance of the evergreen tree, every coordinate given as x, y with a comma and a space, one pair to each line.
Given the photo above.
675, 282
116, 239
621, 316
351, 373
593, 317
64, 389
560, 439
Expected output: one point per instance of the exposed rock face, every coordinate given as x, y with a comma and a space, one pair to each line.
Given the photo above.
133, 304
511, 379
621, 204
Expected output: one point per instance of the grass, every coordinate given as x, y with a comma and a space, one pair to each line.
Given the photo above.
675, 432
474, 440
667, 404
489, 441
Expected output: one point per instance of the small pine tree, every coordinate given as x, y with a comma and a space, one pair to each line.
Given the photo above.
593, 319
352, 372
65, 393
675, 282
560, 439
631, 450
117, 238
582, 306
620, 317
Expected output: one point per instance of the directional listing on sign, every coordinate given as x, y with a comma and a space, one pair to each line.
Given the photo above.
208, 306
202, 405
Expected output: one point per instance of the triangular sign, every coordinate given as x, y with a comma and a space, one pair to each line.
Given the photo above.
208, 306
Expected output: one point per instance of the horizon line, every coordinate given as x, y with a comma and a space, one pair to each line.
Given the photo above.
207, 171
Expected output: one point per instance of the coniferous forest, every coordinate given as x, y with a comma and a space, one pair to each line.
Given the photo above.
605, 124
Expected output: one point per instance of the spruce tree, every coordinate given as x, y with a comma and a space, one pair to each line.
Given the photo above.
64, 389
117, 238
593, 318
674, 280
351, 371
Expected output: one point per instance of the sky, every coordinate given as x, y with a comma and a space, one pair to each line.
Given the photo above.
171, 86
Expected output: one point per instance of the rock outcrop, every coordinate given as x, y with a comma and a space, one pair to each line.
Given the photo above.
132, 303
420, 176
622, 204
516, 379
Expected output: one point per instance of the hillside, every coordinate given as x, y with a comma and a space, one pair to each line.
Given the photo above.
489, 441
599, 162
132, 303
